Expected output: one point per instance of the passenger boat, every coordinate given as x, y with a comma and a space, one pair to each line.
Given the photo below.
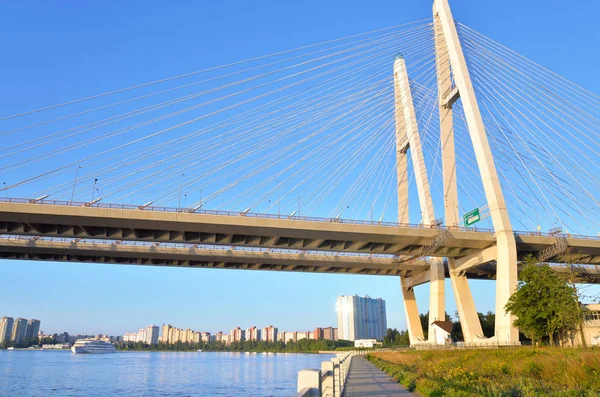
91, 346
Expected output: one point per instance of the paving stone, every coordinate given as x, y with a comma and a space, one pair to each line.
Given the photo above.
366, 380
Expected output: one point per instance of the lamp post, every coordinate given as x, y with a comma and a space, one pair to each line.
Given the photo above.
180, 187
94, 188
75, 183
278, 200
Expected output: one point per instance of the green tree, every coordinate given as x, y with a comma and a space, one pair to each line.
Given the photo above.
575, 276
402, 339
488, 323
424, 318
395, 338
543, 302
390, 337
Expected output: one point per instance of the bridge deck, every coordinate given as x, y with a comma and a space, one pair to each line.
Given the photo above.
364, 379
41, 219
165, 237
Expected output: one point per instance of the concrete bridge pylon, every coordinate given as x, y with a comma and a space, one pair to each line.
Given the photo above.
454, 83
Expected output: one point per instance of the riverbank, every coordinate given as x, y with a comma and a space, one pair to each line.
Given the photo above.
516, 371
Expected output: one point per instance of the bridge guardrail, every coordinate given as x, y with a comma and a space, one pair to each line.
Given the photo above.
282, 217
565, 235
234, 213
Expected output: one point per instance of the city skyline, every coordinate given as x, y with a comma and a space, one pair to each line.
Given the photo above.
169, 334
122, 297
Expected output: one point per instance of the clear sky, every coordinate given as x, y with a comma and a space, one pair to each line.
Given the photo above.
61, 50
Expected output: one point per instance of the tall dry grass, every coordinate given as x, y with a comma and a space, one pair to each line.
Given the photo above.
496, 372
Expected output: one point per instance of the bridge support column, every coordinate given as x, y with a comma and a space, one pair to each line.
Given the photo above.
415, 331
506, 284
506, 273
437, 295
467, 312
406, 120
402, 173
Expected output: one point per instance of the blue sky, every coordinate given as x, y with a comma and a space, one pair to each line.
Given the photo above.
58, 51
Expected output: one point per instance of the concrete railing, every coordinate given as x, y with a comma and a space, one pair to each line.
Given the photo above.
328, 381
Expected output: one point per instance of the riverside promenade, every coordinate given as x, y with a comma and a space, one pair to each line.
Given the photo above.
365, 379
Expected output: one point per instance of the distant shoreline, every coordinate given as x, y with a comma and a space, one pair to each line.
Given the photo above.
170, 351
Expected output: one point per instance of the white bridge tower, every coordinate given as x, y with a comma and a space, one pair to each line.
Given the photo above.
454, 83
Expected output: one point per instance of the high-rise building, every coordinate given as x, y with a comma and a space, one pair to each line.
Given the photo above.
269, 334
64, 338
329, 333
361, 318
19, 330
252, 333
238, 334
141, 335
172, 335
196, 337
318, 333
148, 335
223, 338
286, 337
6, 326
152, 332
166, 328
33, 328
205, 337
187, 335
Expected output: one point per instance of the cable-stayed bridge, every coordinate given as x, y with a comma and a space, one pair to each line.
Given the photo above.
262, 164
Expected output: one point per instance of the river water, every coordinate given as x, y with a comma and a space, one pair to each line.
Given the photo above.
60, 373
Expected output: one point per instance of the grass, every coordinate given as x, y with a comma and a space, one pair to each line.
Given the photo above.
495, 372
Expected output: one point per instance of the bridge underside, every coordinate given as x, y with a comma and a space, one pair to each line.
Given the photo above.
189, 256
196, 257
151, 237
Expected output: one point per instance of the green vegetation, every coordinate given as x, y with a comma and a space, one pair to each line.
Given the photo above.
28, 342
395, 338
498, 372
547, 307
546, 304
302, 346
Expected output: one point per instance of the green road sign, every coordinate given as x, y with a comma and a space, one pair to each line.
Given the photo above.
472, 217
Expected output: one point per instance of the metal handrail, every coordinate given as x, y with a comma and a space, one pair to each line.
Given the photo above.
278, 216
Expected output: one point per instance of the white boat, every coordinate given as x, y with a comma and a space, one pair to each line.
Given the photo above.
92, 346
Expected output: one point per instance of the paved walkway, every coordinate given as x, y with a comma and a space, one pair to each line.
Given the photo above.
365, 379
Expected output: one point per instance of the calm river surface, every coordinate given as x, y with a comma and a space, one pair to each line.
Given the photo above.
47, 373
